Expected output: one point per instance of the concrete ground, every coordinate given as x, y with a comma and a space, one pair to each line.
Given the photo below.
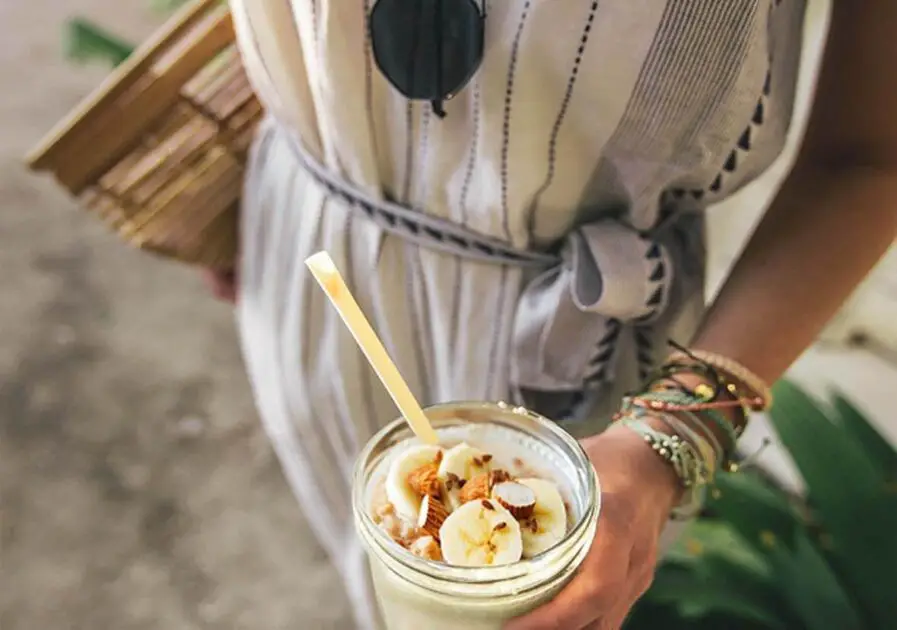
137, 491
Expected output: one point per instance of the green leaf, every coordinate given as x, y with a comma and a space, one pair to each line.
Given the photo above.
753, 507
647, 615
872, 583
811, 588
721, 587
706, 537
873, 443
87, 42
713, 569
833, 466
848, 498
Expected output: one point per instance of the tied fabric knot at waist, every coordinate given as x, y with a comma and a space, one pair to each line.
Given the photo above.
610, 278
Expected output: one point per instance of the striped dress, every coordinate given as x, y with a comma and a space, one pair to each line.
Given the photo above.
539, 243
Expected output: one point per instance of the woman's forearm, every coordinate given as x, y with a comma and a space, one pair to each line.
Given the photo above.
822, 235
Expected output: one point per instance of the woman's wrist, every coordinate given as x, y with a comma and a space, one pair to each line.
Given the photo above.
643, 467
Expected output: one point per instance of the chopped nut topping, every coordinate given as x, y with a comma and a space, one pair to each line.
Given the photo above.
385, 509
427, 548
500, 476
487, 458
424, 480
432, 515
478, 487
518, 499
452, 481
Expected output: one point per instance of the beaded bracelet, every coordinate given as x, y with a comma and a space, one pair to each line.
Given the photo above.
672, 401
712, 455
760, 394
717, 396
678, 453
683, 458
721, 395
716, 393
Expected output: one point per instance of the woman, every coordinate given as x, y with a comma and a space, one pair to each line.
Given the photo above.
555, 241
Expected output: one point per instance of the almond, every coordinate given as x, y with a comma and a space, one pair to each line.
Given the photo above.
516, 498
425, 481
500, 476
432, 516
427, 548
453, 481
478, 487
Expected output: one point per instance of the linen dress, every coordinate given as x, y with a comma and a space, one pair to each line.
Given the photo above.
540, 243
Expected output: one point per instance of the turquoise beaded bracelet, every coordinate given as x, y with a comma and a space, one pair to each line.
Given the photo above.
683, 399
683, 457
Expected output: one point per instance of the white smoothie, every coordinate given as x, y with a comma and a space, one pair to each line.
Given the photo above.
509, 518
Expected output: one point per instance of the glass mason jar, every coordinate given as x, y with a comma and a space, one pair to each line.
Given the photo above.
417, 594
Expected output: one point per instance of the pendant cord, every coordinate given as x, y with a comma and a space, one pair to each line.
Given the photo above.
437, 31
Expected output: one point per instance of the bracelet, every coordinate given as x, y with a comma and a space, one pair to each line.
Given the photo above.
695, 403
736, 371
719, 395
680, 454
676, 401
712, 455
685, 461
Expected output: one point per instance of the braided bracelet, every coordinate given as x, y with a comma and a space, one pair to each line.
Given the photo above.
682, 457
736, 371
721, 395
673, 401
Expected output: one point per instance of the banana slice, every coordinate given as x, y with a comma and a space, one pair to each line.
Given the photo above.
460, 464
547, 525
480, 533
399, 490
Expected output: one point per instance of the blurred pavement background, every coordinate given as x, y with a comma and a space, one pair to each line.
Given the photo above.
137, 491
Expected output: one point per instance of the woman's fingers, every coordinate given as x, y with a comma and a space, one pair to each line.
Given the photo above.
640, 578
595, 590
222, 284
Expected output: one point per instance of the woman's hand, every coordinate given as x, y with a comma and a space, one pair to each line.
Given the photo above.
638, 491
223, 283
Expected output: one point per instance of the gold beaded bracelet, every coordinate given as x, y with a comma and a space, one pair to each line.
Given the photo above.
758, 396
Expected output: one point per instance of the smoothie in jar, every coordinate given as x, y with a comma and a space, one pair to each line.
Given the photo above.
485, 526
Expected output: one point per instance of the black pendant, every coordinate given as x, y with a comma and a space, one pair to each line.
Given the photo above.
427, 49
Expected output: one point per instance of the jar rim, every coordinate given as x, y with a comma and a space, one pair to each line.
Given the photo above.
591, 505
